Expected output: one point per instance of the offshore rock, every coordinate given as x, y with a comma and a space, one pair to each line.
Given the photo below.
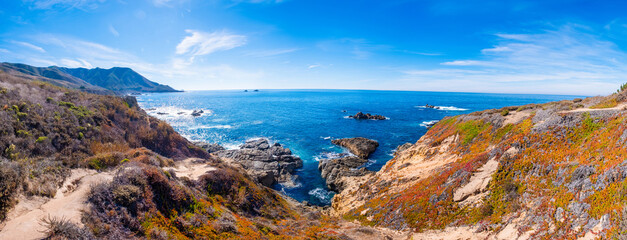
362, 147
367, 116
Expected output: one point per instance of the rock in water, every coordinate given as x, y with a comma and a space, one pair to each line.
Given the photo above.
334, 171
368, 116
197, 113
267, 163
362, 147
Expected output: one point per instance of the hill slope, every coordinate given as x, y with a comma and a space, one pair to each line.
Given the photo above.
107, 170
98, 80
556, 170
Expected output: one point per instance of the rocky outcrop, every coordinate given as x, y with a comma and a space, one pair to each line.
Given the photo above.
336, 171
362, 147
402, 148
367, 116
209, 147
339, 172
268, 163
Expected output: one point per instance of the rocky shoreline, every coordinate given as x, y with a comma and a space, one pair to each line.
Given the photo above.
336, 171
267, 163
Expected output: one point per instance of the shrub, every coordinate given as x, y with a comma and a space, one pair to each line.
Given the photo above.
505, 112
61, 228
41, 139
105, 160
607, 103
126, 194
9, 181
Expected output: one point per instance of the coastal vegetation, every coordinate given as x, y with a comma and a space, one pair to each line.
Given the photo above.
561, 173
554, 170
55, 141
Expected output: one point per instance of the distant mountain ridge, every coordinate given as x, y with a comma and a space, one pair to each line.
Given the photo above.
97, 80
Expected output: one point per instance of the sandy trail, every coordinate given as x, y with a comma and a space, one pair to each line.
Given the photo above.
618, 107
25, 219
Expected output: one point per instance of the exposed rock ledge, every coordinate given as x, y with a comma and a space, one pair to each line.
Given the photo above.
362, 147
269, 164
336, 171
339, 172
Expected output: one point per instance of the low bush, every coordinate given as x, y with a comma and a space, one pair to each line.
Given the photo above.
10, 180
61, 228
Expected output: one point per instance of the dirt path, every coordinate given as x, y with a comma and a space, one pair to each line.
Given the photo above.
24, 220
618, 107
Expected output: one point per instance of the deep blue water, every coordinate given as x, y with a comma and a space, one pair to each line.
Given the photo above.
307, 120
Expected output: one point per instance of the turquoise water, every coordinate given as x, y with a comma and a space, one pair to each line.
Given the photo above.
307, 120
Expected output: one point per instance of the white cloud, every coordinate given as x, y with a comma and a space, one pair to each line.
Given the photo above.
113, 31
312, 66
30, 45
464, 63
78, 63
176, 72
66, 4
567, 60
202, 43
271, 52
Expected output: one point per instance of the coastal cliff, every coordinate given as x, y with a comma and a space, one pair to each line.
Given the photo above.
555, 170
75, 165
82, 166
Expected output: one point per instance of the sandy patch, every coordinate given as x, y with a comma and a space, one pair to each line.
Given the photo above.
478, 182
25, 219
516, 117
191, 168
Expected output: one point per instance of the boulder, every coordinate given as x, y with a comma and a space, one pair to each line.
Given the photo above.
367, 116
335, 171
362, 147
268, 163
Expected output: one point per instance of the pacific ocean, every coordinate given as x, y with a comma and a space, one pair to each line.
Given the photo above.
307, 120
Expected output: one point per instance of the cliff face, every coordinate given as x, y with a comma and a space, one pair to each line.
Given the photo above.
555, 170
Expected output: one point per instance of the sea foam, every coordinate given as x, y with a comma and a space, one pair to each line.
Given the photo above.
445, 108
323, 195
428, 123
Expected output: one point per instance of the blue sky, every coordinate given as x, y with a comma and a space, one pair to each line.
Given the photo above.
554, 47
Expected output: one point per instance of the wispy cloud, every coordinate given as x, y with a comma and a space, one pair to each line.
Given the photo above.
30, 45
360, 49
65, 4
113, 31
271, 52
570, 60
202, 43
78, 63
420, 53
312, 66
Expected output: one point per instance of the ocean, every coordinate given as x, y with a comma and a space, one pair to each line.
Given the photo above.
306, 121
